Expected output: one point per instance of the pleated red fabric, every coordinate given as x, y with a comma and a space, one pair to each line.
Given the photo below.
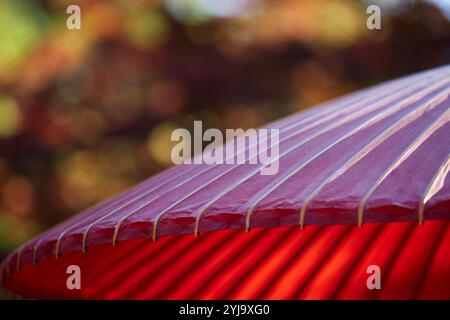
319, 262
379, 157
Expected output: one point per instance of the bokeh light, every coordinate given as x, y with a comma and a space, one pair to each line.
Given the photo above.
10, 116
85, 114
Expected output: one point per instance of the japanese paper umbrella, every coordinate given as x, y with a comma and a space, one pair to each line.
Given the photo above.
361, 200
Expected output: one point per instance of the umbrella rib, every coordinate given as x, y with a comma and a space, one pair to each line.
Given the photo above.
332, 105
434, 186
81, 220
347, 135
296, 124
292, 122
61, 235
379, 139
36, 247
389, 85
117, 226
324, 130
110, 204
73, 219
351, 107
132, 193
407, 80
122, 206
443, 119
119, 223
348, 107
318, 122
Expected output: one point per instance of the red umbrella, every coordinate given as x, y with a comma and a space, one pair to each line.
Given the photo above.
374, 157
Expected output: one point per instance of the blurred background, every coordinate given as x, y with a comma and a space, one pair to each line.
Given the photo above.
86, 113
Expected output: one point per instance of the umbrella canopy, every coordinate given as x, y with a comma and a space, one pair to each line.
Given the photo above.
377, 156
